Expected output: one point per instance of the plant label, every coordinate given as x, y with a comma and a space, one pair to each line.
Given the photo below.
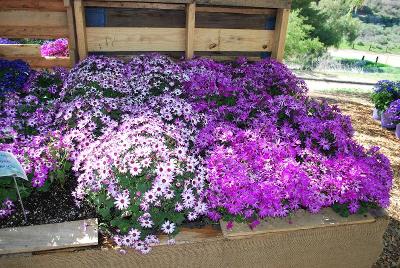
10, 167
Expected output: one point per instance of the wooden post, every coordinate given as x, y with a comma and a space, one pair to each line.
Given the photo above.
282, 20
190, 29
80, 29
71, 32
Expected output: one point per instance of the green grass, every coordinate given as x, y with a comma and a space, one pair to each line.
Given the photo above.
345, 45
369, 66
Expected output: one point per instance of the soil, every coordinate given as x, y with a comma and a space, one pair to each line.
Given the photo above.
368, 132
54, 206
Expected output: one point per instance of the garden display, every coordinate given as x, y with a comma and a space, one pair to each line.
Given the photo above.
154, 144
384, 94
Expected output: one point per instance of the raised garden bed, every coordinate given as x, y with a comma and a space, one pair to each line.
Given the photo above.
320, 240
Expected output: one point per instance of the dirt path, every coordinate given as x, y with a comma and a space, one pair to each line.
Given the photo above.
369, 133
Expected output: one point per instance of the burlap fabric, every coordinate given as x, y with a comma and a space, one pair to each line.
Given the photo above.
350, 246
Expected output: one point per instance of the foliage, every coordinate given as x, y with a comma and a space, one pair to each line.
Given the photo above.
331, 20
385, 93
300, 47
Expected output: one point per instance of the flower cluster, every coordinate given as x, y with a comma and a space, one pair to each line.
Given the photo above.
13, 75
6, 41
394, 111
56, 48
385, 92
142, 179
153, 75
154, 143
7, 208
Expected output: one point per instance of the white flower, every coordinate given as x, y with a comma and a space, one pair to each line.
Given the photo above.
134, 234
192, 216
122, 201
168, 227
150, 197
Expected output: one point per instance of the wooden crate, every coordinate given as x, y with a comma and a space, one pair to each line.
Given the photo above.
218, 28
39, 19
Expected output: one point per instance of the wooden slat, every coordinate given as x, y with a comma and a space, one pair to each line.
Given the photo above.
248, 3
301, 220
49, 236
259, 11
231, 20
33, 32
282, 20
173, 39
190, 30
71, 32
33, 18
157, 18
48, 5
135, 39
18, 50
121, 4
233, 40
242, 3
80, 26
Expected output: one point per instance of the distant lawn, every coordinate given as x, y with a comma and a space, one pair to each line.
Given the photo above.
369, 66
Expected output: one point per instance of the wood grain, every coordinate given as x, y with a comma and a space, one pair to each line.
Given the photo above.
173, 39
80, 27
33, 32
121, 4
282, 20
48, 236
48, 5
190, 30
33, 18
18, 50
301, 220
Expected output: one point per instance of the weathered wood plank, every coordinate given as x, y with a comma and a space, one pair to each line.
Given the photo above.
71, 32
236, 10
173, 39
248, 3
33, 18
80, 26
190, 30
301, 220
156, 18
48, 5
48, 236
243, 3
135, 39
282, 20
121, 4
33, 32
231, 20
19, 50
233, 40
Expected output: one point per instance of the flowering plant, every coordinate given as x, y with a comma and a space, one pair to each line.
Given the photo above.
7, 41
13, 75
142, 180
7, 208
56, 48
393, 111
385, 92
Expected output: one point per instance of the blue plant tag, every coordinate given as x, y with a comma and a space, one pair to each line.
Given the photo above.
9, 166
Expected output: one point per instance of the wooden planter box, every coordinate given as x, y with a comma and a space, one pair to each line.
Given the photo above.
322, 240
35, 238
222, 29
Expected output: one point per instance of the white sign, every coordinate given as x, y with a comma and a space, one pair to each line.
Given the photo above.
9, 166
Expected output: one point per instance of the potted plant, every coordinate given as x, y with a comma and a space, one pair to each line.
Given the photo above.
385, 92
393, 114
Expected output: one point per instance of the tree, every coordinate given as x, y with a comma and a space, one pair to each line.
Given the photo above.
331, 20
300, 47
